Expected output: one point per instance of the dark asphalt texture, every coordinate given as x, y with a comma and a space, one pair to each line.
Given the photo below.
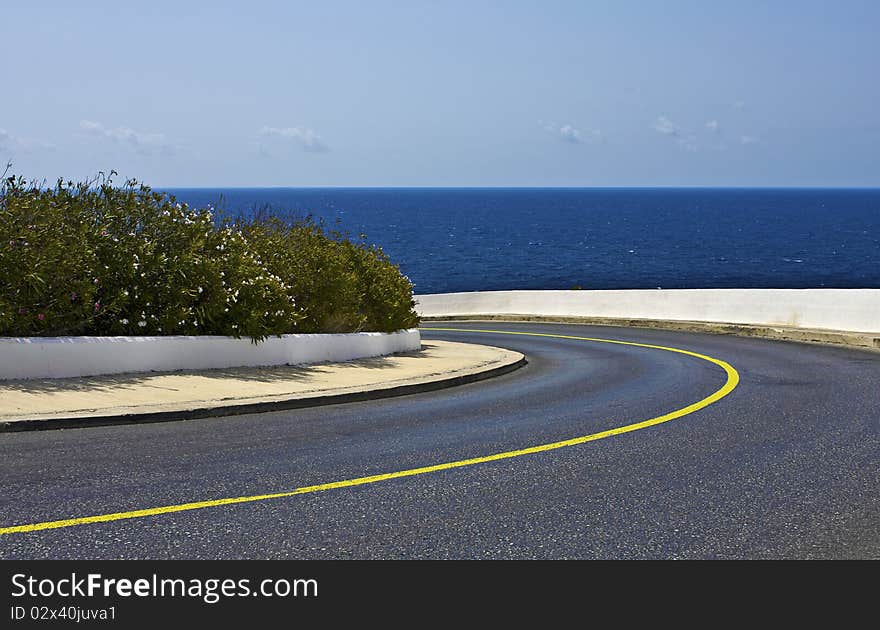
786, 466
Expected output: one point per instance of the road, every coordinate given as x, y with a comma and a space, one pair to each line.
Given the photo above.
786, 465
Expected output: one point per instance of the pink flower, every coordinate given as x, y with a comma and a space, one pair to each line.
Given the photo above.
103, 232
73, 296
12, 243
41, 317
97, 306
22, 311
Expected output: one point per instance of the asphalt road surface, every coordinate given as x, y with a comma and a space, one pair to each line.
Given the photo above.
786, 465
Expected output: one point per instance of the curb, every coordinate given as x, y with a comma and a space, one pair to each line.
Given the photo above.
866, 341
15, 426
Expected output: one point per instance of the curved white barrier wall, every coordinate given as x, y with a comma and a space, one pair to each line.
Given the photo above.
57, 357
854, 310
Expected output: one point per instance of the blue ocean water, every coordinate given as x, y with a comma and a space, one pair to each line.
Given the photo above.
448, 239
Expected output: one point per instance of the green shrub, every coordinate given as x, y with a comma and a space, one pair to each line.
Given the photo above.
385, 293
341, 285
87, 259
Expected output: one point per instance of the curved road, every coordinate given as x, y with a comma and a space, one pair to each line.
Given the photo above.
786, 465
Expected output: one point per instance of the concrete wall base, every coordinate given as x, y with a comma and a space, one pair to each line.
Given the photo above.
856, 310
60, 357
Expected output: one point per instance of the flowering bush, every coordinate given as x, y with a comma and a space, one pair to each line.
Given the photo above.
341, 285
87, 259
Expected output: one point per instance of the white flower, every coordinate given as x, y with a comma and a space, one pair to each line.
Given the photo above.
124, 322
142, 323
200, 289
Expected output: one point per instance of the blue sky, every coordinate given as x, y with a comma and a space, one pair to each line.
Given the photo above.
444, 93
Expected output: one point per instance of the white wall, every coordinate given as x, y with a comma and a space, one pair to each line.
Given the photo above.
56, 357
855, 310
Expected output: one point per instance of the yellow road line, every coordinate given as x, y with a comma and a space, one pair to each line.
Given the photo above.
729, 385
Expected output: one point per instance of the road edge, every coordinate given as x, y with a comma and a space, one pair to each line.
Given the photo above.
864, 341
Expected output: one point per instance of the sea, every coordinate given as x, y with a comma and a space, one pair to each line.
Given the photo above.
470, 239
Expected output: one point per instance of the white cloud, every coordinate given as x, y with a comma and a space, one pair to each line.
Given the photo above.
713, 126
141, 142
10, 142
569, 133
666, 127
748, 140
305, 137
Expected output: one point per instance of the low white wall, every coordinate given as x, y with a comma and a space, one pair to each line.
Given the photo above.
57, 357
855, 310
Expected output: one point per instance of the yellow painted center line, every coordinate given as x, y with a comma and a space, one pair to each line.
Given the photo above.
729, 385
